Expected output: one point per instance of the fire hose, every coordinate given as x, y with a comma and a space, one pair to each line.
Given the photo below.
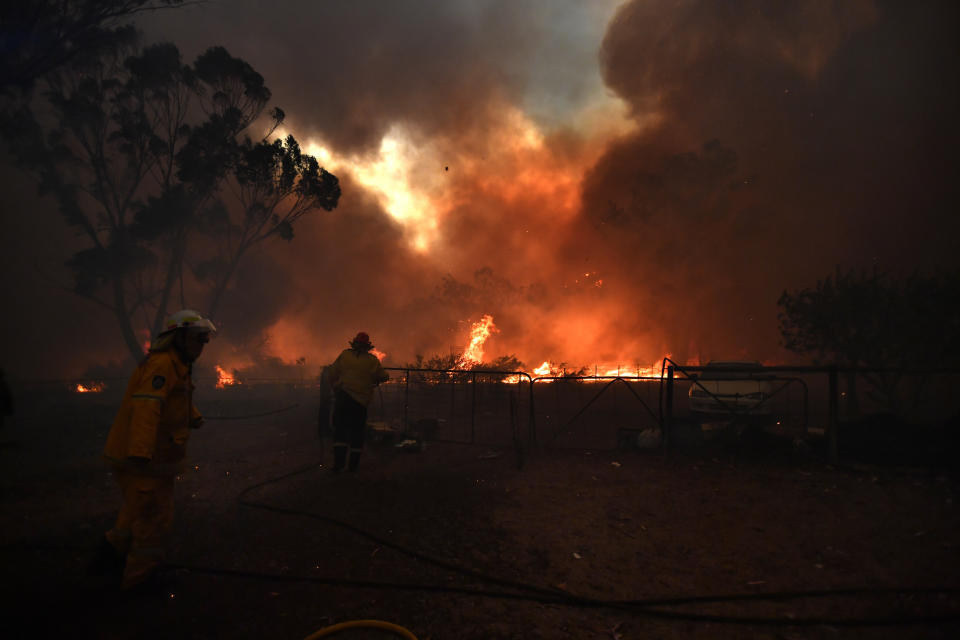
253, 415
516, 590
367, 624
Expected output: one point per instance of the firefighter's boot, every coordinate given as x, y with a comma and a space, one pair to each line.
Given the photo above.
354, 461
339, 457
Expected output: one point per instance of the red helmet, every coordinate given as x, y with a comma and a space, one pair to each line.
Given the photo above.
361, 341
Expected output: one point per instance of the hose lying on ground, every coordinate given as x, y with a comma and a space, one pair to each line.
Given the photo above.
365, 624
252, 415
653, 607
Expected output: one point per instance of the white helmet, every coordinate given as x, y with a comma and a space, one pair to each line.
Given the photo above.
188, 319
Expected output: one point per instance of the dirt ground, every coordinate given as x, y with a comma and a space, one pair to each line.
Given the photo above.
456, 542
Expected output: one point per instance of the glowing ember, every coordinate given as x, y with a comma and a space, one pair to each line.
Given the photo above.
224, 379
380, 354
473, 354
93, 387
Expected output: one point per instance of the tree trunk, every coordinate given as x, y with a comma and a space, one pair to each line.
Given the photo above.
173, 269
221, 285
123, 319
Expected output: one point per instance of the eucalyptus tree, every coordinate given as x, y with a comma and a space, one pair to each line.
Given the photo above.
40, 36
151, 159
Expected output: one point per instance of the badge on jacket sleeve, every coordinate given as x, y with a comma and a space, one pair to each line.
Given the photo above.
158, 382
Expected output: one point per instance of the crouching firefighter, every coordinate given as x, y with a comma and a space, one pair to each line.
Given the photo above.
353, 376
145, 447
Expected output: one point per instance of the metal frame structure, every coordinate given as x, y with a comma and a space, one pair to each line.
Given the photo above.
612, 379
664, 417
472, 374
670, 368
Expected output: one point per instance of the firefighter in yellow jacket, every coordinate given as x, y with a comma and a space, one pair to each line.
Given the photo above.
146, 446
353, 375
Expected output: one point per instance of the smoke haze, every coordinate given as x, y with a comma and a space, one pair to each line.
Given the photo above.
610, 183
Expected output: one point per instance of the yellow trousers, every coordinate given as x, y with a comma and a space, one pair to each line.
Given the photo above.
143, 524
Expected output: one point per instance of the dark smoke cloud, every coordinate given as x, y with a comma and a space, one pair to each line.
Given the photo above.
790, 137
348, 71
841, 110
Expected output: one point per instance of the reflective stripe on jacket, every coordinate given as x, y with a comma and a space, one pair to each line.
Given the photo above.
357, 373
155, 416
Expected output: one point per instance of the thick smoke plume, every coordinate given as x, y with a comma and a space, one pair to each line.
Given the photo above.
611, 184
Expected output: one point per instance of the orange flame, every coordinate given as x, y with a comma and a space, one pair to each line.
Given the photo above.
224, 379
600, 373
95, 387
637, 371
479, 332
380, 354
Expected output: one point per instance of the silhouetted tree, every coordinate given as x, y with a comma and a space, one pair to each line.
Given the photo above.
40, 36
145, 156
875, 321
276, 185
504, 363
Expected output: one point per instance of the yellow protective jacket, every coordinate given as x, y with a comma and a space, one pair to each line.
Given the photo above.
357, 373
156, 414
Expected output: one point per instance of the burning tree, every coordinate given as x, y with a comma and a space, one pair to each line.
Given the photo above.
472, 358
875, 321
479, 332
148, 158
